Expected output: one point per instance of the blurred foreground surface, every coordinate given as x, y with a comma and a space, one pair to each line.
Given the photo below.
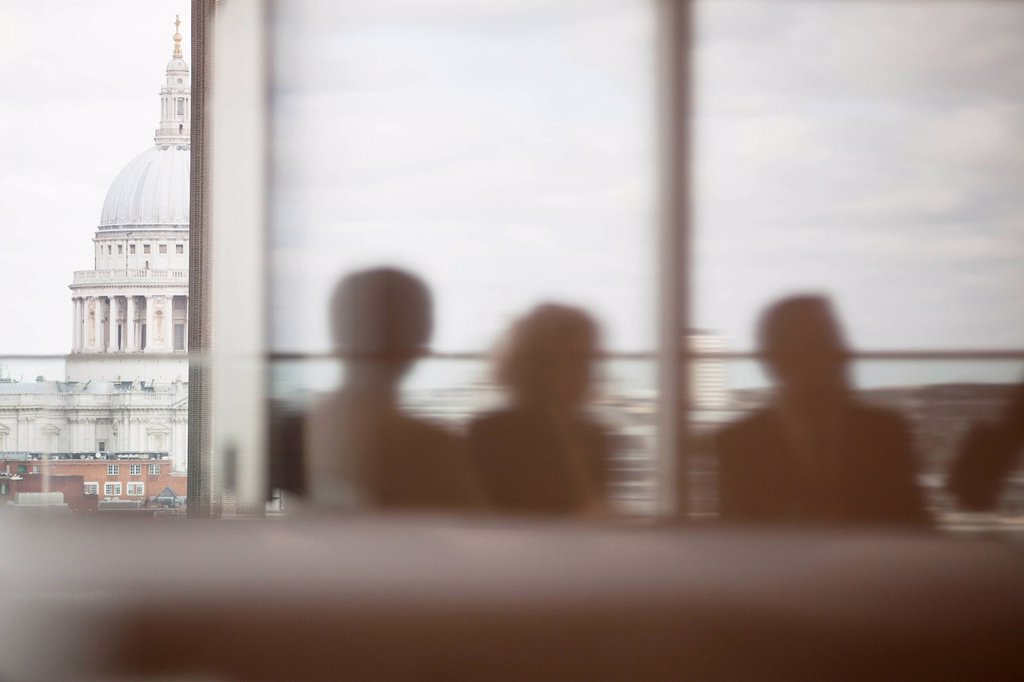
393, 598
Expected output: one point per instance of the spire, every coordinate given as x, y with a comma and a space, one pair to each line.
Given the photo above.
177, 37
175, 97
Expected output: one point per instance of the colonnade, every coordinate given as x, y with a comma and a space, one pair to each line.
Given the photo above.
129, 324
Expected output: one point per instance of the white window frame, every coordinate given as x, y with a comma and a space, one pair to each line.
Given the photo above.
113, 470
237, 160
135, 489
112, 489
94, 485
154, 469
134, 469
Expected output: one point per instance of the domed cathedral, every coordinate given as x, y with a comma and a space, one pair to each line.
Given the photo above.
125, 394
130, 316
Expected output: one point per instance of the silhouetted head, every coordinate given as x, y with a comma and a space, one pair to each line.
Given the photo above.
382, 318
804, 349
548, 355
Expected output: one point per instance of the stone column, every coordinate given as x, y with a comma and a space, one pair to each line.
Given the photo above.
72, 434
162, 311
92, 324
149, 324
99, 324
75, 330
179, 443
29, 426
110, 342
112, 324
117, 322
129, 326
124, 329
80, 323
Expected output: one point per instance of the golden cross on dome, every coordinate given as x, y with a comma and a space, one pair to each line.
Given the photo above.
177, 37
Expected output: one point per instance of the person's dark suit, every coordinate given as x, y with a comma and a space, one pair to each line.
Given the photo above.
528, 466
870, 478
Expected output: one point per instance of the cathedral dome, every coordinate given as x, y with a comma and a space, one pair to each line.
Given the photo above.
151, 191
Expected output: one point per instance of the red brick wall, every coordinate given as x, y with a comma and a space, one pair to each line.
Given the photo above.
79, 503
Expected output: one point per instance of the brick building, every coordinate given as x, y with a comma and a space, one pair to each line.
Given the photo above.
87, 482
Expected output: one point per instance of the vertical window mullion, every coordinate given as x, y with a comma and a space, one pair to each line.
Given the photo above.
674, 255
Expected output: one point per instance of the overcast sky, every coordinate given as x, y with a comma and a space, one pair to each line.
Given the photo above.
505, 150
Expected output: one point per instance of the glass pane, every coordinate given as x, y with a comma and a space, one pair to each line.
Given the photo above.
504, 153
941, 401
869, 150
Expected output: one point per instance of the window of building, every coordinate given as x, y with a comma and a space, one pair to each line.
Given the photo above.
163, 248
179, 336
111, 489
180, 101
110, 249
131, 249
134, 469
154, 469
101, 446
136, 489
113, 469
120, 249
22, 469
91, 488
179, 248
35, 468
145, 248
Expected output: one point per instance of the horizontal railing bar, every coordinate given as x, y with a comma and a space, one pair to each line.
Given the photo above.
938, 354
954, 354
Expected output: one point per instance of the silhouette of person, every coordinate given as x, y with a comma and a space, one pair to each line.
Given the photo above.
986, 457
363, 450
816, 454
542, 454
